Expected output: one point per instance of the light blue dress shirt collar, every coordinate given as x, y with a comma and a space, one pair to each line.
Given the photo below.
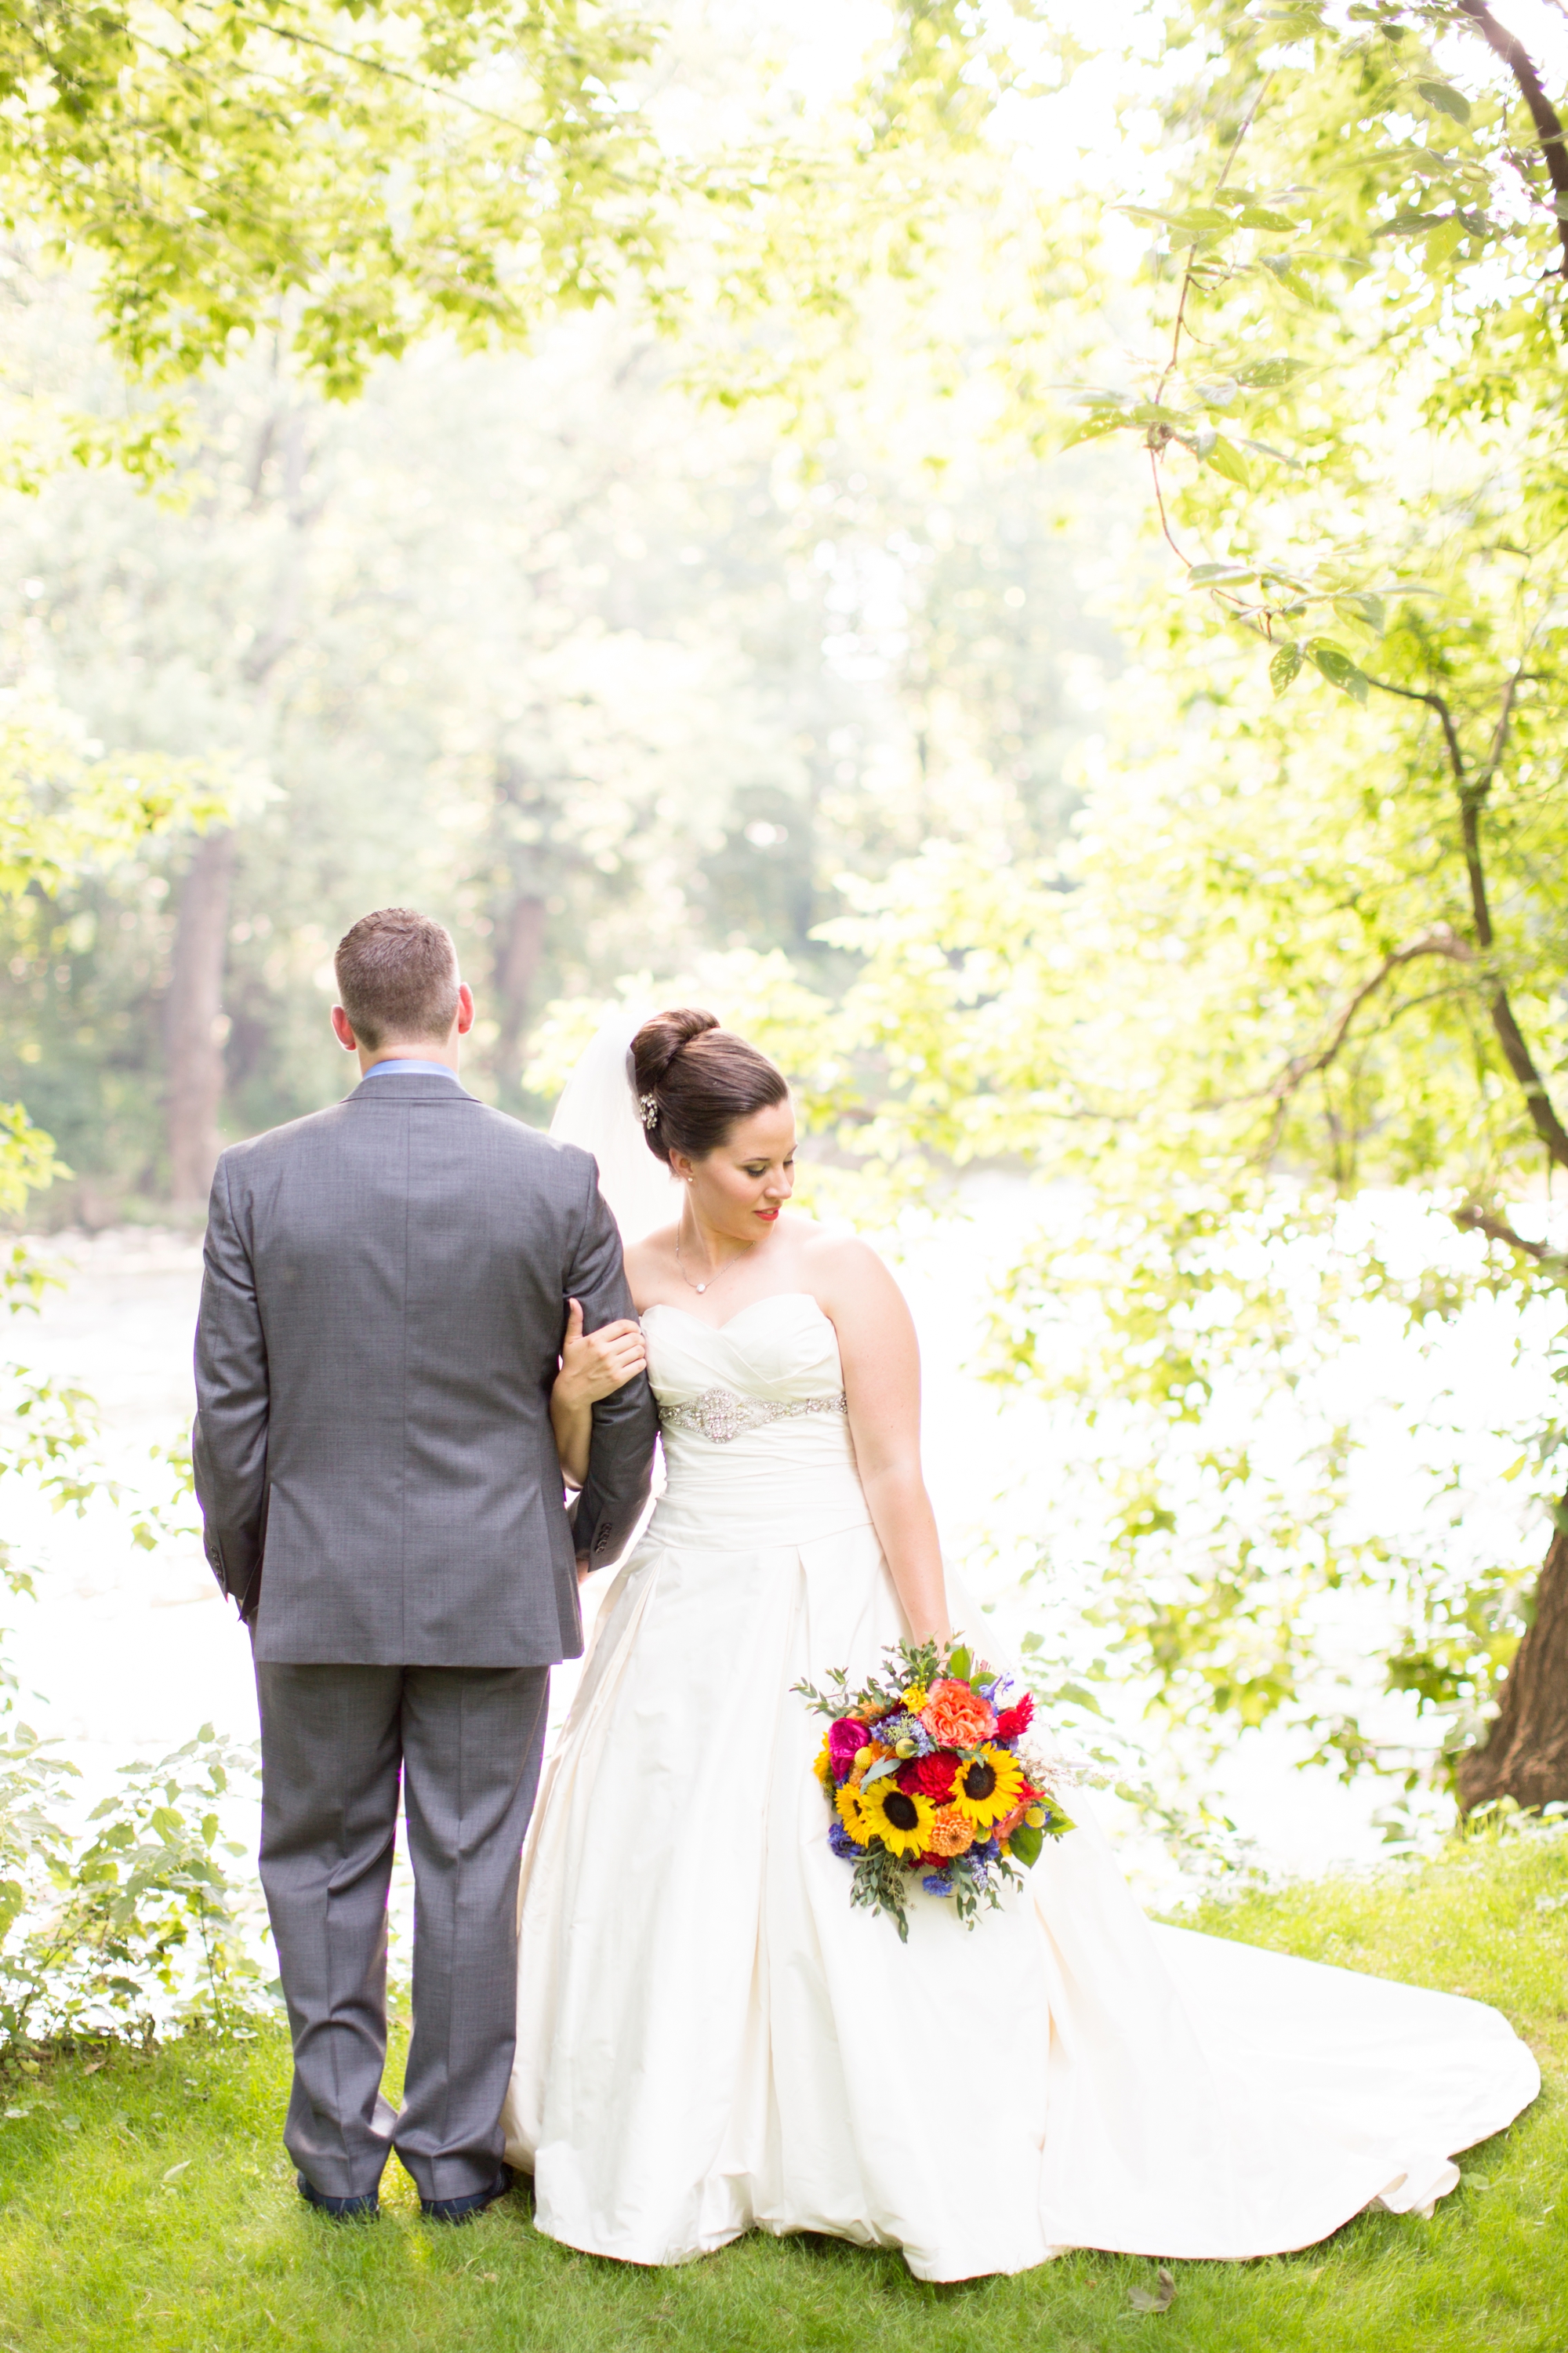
402, 1066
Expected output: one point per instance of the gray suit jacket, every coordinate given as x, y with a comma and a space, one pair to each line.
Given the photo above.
383, 1306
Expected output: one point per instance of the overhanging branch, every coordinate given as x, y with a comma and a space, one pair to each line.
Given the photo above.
1543, 114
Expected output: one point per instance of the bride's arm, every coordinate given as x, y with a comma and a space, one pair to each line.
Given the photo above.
593, 1365
882, 1360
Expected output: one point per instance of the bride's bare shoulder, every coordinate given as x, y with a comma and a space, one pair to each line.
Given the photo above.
838, 1262
650, 1263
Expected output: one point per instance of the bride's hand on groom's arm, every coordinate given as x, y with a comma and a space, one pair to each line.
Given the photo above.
597, 1364
593, 1364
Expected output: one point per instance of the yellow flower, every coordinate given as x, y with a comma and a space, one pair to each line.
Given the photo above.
986, 1790
902, 1819
915, 1698
848, 1799
823, 1768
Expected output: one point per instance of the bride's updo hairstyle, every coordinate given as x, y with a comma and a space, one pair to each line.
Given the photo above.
696, 1083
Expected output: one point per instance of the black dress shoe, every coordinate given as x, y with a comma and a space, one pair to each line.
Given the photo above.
463, 2210
341, 2209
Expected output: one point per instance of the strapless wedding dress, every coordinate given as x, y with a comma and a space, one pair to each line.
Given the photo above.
711, 2040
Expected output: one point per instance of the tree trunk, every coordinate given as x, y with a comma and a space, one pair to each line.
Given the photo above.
1526, 1754
517, 951
194, 1025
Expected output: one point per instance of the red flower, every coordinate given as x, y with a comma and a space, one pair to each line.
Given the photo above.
930, 1777
1014, 1721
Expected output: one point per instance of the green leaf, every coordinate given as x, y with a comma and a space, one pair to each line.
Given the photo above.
960, 1665
1364, 607
1446, 100
1443, 242
1262, 374
1254, 216
1285, 669
1027, 1843
1338, 669
1202, 574
1225, 458
1075, 1695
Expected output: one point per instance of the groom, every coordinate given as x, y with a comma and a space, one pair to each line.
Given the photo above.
384, 1296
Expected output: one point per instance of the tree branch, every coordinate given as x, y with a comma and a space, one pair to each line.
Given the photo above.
1473, 791
1543, 114
1473, 1221
1306, 1066
1433, 702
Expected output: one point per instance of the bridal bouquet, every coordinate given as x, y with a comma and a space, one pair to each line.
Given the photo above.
928, 1772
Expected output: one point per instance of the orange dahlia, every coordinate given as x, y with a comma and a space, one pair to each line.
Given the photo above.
957, 1717
951, 1833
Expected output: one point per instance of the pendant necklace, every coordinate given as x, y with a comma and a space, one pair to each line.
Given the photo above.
681, 1269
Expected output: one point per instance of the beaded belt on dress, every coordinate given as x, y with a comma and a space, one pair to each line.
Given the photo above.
722, 1414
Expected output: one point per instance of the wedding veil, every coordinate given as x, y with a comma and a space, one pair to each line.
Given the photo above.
598, 1110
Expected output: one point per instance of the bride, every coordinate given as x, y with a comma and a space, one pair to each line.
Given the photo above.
711, 2040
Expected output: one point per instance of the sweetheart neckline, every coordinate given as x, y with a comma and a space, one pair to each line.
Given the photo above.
767, 1300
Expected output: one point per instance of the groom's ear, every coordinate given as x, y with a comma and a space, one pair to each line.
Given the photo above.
343, 1030
465, 1009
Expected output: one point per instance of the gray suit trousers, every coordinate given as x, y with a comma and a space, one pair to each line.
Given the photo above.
468, 1742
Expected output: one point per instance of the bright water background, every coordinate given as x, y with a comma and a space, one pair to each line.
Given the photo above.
130, 1654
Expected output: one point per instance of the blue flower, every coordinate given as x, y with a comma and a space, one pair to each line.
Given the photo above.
937, 1883
843, 1845
987, 1851
902, 1726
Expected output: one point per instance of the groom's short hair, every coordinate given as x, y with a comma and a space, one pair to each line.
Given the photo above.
397, 976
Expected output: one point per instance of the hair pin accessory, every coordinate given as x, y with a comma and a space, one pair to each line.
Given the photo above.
649, 1106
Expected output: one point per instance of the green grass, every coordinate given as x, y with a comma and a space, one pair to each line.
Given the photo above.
145, 2202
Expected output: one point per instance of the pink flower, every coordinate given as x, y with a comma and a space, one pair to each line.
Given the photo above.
957, 1717
846, 1738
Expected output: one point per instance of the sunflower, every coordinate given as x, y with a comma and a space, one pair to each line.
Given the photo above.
823, 1768
902, 1819
847, 1804
988, 1787
846, 1798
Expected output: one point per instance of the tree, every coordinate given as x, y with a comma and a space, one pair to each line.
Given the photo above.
342, 180
1306, 946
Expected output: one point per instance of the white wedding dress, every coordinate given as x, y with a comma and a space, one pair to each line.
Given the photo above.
711, 2040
